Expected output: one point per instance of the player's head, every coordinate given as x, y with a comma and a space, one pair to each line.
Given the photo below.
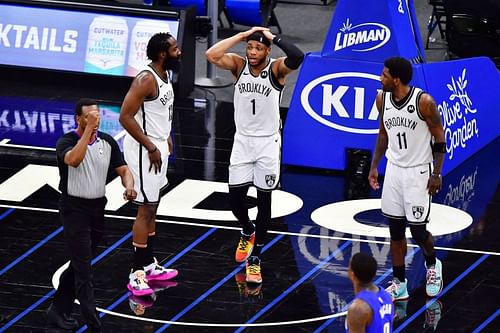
82, 108
362, 267
162, 47
397, 71
258, 48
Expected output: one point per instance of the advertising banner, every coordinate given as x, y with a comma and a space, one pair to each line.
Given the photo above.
76, 41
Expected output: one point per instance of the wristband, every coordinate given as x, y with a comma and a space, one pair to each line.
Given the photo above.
439, 147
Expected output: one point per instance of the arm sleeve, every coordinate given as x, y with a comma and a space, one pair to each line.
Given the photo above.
294, 56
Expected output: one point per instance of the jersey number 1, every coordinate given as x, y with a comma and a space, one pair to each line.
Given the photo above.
253, 106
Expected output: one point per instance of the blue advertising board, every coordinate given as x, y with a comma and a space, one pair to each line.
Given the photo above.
333, 104
380, 30
39, 122
76, 40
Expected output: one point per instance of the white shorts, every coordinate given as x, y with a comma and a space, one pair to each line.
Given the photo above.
255, 160
147, 184
405, 194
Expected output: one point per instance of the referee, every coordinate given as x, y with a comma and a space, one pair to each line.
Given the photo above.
84, 157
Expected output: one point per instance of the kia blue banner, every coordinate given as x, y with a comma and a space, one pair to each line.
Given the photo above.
333, 108
74, 40
373, 31
333, 104
39, 122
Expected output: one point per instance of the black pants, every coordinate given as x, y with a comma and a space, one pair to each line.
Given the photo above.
83, 221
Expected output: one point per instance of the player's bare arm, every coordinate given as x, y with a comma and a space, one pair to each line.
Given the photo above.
285, 65
143, 86
428, 110
359, 316
218, 55
380, 147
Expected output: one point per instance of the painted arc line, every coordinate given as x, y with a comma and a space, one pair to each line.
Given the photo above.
297, 234
339, 216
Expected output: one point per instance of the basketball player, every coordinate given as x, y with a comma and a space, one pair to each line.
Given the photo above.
146, 114
372, 310
255, 157
412, 137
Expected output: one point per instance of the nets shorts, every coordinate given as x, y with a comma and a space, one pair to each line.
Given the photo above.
404, 193
147, 184
255, 160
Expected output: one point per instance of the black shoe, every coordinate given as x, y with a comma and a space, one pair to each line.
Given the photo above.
61, 320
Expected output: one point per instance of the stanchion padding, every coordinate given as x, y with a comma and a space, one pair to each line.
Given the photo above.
201, 6
248, 12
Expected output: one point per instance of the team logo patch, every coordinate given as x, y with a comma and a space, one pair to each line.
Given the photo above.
411, 108
263, 74
418, 211
270, 180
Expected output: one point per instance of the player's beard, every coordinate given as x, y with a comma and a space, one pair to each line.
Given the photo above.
171, 64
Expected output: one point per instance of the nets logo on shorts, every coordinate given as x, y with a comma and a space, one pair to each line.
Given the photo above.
418, 211
270, 180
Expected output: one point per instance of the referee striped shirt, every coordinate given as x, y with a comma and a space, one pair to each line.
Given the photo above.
87, 180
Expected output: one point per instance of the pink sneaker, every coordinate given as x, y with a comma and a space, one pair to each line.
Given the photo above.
158, 272
138, 284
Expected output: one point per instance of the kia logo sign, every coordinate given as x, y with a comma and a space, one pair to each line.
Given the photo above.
344, 101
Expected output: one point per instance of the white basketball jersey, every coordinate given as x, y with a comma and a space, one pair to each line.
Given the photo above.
409, 137
155, 115
256, 102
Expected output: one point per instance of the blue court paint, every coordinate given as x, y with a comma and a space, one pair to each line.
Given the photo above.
168, 263
295, 285
30, 251
52, 292
487, 321
7, 213
445, 290
215, 287
377, 282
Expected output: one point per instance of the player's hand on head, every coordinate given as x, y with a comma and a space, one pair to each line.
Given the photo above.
269, 35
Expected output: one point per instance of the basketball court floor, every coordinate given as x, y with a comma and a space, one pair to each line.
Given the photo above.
314, 232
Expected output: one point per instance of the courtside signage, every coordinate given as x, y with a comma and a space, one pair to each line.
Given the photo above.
79, 41
362, 37
344, 101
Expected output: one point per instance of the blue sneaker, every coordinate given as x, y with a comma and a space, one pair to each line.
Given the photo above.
398, 290
434, 279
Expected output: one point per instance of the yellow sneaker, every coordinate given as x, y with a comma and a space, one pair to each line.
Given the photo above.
244, 249
253, 270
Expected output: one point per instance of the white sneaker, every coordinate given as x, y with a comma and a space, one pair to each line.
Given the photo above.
154, 271
434, 279
138, 284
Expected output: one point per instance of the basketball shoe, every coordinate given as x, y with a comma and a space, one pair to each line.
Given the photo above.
245, 247
253, 270
434, 279
154, 271
398, 290
138, 284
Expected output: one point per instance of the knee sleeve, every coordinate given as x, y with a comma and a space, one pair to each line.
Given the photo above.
397, 228
263, 215
237, 196
419, 233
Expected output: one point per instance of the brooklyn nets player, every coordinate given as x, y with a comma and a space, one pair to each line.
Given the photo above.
255, 157
412, 137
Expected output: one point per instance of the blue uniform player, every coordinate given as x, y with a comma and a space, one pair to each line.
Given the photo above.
372, 310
